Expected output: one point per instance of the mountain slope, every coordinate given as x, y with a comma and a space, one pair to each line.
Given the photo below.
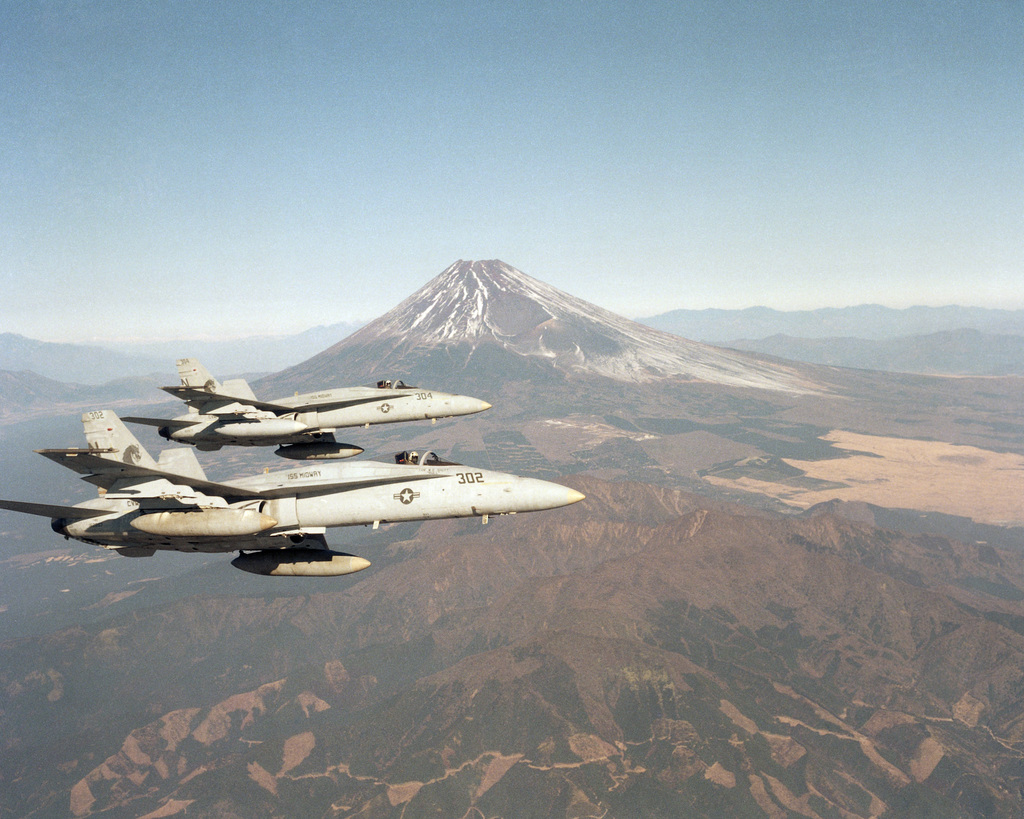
24, 394
74, 363
645, 654
487, 314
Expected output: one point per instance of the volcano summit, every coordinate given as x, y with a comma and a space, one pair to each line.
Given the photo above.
476, 305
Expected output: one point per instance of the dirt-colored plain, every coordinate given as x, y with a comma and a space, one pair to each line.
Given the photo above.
911, 474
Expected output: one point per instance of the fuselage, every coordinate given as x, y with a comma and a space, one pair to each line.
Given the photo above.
288, 504
316, 414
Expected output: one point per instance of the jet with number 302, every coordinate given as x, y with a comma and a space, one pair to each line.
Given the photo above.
276, 520
302, 426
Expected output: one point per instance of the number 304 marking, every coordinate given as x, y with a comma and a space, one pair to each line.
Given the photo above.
470, 477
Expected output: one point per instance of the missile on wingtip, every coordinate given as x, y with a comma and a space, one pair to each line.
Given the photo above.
301, 562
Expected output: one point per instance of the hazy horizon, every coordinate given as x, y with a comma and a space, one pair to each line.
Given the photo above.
357, 323
242, 168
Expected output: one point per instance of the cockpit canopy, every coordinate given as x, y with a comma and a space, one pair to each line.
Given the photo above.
426, 458
396, 384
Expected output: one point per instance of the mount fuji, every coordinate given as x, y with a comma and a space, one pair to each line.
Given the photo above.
487, 313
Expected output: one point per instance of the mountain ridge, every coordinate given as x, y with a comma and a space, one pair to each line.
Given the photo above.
477, 309
752, 329
964, 351
865, 321
668, 659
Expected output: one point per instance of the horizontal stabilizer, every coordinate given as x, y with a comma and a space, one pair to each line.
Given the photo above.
84, 461
56, 512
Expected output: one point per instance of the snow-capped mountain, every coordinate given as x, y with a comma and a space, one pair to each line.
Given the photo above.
489, 304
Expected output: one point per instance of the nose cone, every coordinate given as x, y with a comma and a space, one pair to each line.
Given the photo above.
533, 495
467, 405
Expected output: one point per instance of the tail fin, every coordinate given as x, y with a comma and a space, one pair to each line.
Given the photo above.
112, 440
115, 459
239, 388
203, 393
195, 375
181, 461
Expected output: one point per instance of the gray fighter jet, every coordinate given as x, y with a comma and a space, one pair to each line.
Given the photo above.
301, 426
276, 520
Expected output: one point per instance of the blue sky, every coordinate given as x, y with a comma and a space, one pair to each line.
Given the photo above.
224, 169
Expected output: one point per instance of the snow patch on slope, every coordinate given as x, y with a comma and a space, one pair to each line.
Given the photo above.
490, 301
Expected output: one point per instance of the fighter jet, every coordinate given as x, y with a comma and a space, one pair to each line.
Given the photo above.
301, 426
275, 520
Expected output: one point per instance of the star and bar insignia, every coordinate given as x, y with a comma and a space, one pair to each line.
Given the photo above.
406, 496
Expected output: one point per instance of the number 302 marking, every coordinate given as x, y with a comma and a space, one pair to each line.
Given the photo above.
470, 477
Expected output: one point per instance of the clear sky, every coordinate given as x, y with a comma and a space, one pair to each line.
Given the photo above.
229, 168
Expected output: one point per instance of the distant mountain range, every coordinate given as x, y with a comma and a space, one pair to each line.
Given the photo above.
938, 340
947, 352
866, 321
72, 363
100, 363
254, 354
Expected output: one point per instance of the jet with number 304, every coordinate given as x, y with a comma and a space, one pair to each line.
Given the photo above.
302, 427
275, 520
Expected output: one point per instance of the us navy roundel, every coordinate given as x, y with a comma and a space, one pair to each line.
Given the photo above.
406, 496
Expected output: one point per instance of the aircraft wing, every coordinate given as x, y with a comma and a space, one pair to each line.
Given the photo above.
105, 472
159, 422
49, 511
341, 403
196, 394
286, 490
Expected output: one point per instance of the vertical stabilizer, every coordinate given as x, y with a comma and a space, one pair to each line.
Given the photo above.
195, 375
181, 461
105, 432
239, 388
